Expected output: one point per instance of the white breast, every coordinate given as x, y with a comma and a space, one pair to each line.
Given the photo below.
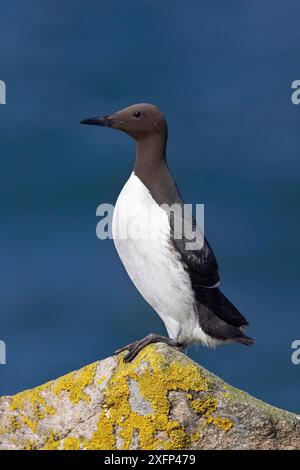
141, 235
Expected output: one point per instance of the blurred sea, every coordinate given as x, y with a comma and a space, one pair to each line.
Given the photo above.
222, 73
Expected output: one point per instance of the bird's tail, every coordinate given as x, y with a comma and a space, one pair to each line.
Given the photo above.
219, 318
245, 340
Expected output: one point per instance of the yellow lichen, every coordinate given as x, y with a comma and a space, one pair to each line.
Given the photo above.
223, 423
13, 424
52, 442
31, 424
75, 383
71, 443
195, 437
118, 419
49, 410
31, 398
29, 445
207, 406
31, 407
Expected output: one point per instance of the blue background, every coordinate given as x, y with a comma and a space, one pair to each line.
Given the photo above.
222, 73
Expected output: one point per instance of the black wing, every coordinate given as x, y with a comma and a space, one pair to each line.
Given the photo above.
215, 301
201, 263
202, 268
203, 271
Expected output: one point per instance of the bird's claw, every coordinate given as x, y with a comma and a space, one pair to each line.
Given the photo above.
125, 348
135, 347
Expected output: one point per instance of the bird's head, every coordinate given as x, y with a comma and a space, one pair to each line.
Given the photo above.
139, 121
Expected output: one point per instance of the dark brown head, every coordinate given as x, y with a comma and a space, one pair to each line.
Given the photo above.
139, 121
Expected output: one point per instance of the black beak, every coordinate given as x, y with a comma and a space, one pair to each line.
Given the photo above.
98, 121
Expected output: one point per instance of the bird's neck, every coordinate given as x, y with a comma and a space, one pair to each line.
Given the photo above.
150, 157
151, 168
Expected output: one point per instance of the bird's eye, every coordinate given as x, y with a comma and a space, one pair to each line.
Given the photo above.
137, 114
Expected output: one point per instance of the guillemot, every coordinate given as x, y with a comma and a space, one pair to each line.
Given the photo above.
181, 284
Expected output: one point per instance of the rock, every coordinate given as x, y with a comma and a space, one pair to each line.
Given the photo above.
162, 400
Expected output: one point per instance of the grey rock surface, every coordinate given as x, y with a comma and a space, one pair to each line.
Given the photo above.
162, 400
